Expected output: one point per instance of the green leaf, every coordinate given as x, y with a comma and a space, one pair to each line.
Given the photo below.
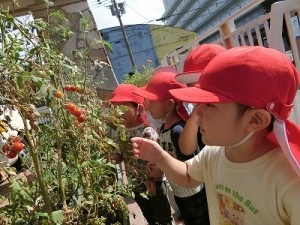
20, 82
41, 214
58, 216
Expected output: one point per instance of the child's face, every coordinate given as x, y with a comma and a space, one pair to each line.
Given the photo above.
158, 109
219, 124
130, 116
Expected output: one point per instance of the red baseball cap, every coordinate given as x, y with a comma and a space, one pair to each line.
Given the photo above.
197, 60
157, 88
260, 77
160, 83
124, 93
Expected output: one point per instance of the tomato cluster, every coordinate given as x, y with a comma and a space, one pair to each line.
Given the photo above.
12, 147
80, 114
74, 88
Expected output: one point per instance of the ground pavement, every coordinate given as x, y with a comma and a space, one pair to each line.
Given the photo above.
140, 220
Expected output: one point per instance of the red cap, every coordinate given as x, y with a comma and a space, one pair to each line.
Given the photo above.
197, 60
260, 77
124, 93
158, 87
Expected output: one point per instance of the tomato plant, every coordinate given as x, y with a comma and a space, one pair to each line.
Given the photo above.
67, 152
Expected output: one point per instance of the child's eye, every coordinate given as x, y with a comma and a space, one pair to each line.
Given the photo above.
210, 105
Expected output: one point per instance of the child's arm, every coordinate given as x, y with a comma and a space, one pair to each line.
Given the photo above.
188, 140
174, 169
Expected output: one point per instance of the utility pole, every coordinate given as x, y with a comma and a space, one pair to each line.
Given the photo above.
118, 13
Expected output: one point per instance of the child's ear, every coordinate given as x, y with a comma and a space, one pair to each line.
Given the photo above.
259, 119
141, 108
171, 103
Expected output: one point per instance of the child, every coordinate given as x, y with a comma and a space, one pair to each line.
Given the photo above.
193, 65
163, 106
156, 207
250, 164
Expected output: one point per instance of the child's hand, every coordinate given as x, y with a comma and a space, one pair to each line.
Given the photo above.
151, 186
153, 170
146, 149
194, 114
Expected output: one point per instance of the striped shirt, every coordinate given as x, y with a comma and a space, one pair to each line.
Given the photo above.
168, 140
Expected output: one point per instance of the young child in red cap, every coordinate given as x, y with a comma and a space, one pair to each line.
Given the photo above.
190, 201
155, 207
251, 162
194, 64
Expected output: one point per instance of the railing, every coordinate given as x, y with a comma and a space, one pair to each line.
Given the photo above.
279, 29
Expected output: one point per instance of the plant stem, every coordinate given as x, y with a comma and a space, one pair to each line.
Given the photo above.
59, 161
34, 155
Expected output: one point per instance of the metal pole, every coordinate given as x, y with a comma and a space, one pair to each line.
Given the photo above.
124, 34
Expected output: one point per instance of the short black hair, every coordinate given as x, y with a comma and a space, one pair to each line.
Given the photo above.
242, 109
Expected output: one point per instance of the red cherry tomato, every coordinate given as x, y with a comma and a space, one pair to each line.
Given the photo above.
6, 148
73, 88
13, 139
17, 146
68, 88
58, 94
12, 154
81, 118
71, 106
76, 112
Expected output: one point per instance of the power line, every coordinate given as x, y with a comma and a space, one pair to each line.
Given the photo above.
190, 19
136, 12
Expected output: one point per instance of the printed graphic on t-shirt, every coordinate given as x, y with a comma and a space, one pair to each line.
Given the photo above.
231, 212
233, 208
169, 147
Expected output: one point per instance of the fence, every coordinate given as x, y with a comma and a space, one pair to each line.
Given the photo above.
279, 29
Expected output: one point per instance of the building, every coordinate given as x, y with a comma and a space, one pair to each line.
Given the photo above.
148, 43
201, 15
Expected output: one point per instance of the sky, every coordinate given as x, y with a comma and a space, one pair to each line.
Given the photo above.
137, 12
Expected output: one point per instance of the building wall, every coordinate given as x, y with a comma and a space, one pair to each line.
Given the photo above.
167, 39
201, 15
140, 42
147, 42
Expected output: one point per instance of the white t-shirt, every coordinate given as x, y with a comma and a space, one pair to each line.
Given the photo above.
265, 191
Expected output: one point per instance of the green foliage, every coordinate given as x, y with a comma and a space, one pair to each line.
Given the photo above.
75, 183
141, 78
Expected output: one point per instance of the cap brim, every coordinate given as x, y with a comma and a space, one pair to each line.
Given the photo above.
187, 78
120, 99
197, 95
146, 94
287, 134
